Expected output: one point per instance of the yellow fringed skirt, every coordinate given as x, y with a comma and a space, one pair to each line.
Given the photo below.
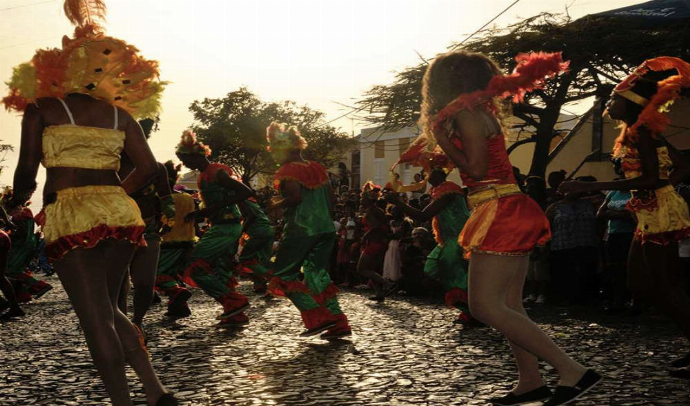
662, 215
84, 216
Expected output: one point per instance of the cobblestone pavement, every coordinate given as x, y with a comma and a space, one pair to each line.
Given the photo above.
404, 352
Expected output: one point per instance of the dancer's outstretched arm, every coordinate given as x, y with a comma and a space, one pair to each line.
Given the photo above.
648, 180
429, 212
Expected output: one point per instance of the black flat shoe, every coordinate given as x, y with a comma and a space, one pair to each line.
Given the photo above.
511, 399
565, 395
392, 289
682, 362
682, 373
167, 400
379, 299
229, 313
320, 329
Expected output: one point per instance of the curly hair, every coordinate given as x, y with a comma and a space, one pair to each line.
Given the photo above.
451, 74
281, 136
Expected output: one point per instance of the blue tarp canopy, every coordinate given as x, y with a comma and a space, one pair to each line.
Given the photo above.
655, 11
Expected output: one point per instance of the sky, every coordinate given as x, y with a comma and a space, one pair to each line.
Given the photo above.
322, 53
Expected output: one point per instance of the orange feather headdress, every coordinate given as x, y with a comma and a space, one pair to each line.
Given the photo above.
371, 191
92, 63
654, 116
190, 146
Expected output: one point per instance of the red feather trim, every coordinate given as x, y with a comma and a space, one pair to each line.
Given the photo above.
529, 74
445, 188
201, 265
317, 317
309, 174
280, 287
455, 296
663, 238
89, 239
209, 175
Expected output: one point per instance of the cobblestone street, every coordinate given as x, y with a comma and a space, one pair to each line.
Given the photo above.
405, 351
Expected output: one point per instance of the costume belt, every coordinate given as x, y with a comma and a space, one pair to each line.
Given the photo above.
491, 192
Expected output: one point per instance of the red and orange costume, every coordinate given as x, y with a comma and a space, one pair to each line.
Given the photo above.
662, 215
504, 221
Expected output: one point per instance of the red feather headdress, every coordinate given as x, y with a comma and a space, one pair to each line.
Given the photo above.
654, 116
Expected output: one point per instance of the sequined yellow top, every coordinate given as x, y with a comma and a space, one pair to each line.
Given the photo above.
75, 146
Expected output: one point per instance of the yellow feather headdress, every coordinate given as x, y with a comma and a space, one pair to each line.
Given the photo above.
92, 63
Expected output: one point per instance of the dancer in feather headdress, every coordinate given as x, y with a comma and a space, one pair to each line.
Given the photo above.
462, 101
79, 104
448, 212
308, 236
651, 166
209, 263
177, 243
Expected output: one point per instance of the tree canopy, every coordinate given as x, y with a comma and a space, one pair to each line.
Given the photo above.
235, 129
601, 52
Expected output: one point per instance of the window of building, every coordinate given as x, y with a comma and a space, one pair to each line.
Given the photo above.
380, 149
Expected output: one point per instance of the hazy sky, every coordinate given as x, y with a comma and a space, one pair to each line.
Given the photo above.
315, 52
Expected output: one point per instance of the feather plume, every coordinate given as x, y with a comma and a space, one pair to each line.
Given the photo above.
85, 12
654, 116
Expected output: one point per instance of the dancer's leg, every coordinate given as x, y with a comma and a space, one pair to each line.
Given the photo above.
528, 365
665, 279
367, 266
490, 280
292, 254
135, 353
207, 266
143, 271
171, 263
86, 275
318, 280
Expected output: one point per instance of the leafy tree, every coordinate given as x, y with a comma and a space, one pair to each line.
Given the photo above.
4, 149
601, 51
235, 129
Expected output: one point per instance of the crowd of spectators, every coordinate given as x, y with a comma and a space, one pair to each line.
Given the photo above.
584, 263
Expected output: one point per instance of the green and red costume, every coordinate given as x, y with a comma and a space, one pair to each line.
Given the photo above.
257, 248
210, 267
446, 263
308, 239
176, 246
24, 249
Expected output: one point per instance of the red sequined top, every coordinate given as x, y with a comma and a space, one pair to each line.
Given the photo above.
500, 169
